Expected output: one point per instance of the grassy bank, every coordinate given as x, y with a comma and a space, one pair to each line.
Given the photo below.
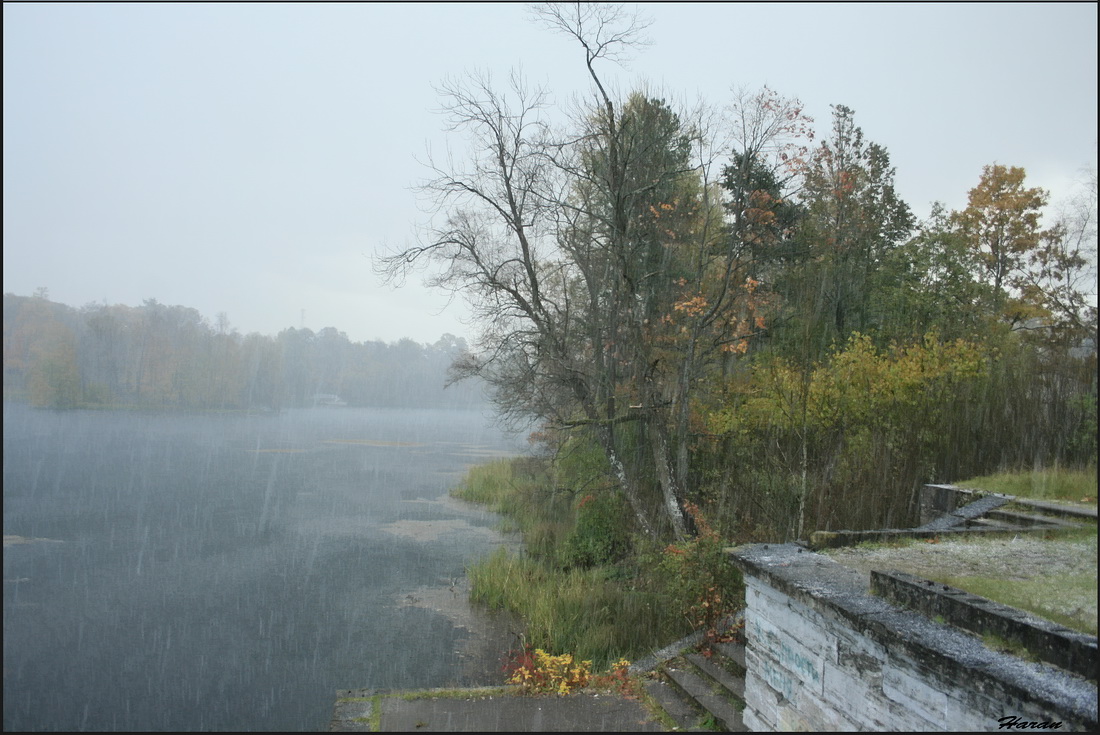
1052, 483
585, 584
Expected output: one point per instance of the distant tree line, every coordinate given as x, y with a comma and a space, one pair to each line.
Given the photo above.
745, 317
156, 355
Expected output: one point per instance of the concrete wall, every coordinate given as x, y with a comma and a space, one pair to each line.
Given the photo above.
823, 654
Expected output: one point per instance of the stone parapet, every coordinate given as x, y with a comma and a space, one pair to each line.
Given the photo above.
1054, 644
824, 654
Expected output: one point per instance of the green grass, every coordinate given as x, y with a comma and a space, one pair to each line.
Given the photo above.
996, 643
522, 492
579, 611
488, 484
468, 693
1048, 484
1067, 599
622, 606
1058, 598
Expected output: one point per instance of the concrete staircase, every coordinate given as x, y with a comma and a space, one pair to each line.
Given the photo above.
951, 508
1032, 515
700, 691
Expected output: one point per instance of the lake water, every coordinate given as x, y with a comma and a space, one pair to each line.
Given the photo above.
199, 572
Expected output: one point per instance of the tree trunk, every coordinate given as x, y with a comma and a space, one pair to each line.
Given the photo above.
606, 439
670, 492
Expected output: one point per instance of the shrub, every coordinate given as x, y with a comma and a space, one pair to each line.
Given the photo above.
703, 586
617, 680
599, 536
538, 672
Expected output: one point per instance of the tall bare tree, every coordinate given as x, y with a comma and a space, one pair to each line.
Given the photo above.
596, 261
508, 225
1062, 270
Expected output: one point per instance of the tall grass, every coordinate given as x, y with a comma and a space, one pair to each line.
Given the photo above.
522, 491
588, 604
488, 484
1054, 483
578, 611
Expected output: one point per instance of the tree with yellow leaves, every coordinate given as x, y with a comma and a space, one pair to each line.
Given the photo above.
1001, 224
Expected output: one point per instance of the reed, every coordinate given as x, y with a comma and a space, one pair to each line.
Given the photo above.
595, 611
579, 611
521, 491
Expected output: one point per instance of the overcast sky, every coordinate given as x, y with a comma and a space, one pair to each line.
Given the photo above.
250, 158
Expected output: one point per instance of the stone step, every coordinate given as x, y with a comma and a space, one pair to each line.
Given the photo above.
686, 714
966, 514
1079, 513
1028, 520
735, 685
703, 693
734, 652
989, 524
709, 686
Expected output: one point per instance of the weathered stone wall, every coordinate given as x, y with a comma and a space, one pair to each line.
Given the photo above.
823, 654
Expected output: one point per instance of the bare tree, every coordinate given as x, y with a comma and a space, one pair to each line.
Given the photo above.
505, 218
1062, 272
596, 262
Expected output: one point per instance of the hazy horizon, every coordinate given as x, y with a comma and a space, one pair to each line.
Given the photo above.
252, 159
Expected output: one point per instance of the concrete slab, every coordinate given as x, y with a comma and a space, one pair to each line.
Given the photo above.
580, 712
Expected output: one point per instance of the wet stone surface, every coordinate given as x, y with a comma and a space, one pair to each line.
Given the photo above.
1012, 558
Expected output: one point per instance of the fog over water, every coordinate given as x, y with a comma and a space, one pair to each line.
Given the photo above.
230, 572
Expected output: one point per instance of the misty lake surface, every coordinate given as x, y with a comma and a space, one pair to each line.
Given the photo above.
230, 572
